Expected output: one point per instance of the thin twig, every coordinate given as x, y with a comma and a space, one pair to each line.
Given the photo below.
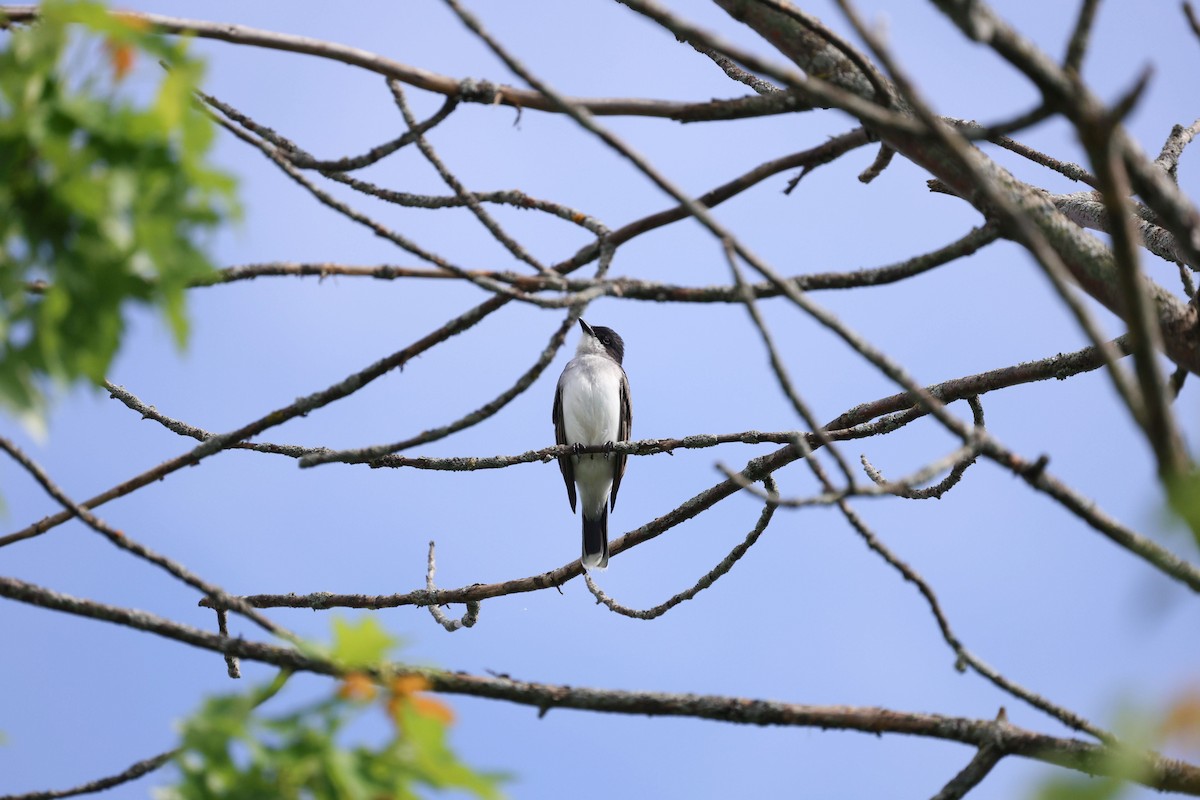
702, 215
460, 191
376, 452
463, 89
298, 408
986, 758
707, 580
1028, 234
1145, 338
882, 488
634, 288
132, 773
305, 160
950, 481
730, 68
1065, 168
882, 159
232, 668
1080, 37
124, 542
467, 620
966, 658
274, 148
1172, 149
1193, 20
1088, 210
781, 374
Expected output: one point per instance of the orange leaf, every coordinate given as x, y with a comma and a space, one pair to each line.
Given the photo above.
121, 56
406, 685
358, 687
433, 708
1182, 720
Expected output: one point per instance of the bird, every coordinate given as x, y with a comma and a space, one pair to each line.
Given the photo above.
591, 407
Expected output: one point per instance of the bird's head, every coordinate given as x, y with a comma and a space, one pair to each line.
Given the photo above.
598, 339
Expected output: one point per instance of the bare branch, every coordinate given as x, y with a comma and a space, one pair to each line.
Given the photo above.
468, 619
273, 148
975, 166
232, 668
456, 185
1080, 37
882, 159
636, 289
467, 90
735, 72
965, 657
218, 595
1178, 214
581, 116
1059, 367
1193, 21
984, 761
304, 160
950, 481
1065, 168
1088, 211
1145, 338
882, 489
783, 378
369, 454
707, 580
300, 407
132, 773
1172, 149
1153, 769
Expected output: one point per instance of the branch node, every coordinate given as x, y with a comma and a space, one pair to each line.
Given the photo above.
467, 620
233, 667
1034, 471
471, 90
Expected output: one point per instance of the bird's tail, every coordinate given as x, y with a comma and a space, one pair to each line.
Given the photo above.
595, 539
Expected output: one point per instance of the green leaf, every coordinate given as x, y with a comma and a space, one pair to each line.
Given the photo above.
1076, 788
104, 201
230, 749
1183, 498
364, 643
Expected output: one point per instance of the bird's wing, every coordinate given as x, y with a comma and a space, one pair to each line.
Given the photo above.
560, 436
623, 431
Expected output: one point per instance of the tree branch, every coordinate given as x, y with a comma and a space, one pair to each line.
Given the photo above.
467, 90
134, 772
707, 580
1154, 770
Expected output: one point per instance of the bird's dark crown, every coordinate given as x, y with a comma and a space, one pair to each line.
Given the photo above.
611, 340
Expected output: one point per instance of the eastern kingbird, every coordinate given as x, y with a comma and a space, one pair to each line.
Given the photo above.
591, 407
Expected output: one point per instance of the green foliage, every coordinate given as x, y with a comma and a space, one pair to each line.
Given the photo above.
364, 643
230, 750
1076, 788
1183, 498
1140, 733
102, 201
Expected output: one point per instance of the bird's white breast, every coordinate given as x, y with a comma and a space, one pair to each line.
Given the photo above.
591, 400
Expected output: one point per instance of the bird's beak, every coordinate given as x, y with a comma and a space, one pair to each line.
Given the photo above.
586, 328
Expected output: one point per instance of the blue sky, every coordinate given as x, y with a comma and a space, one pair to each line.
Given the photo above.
808, 616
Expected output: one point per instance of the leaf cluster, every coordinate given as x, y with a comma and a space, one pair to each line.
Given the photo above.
230, 750
103, 200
